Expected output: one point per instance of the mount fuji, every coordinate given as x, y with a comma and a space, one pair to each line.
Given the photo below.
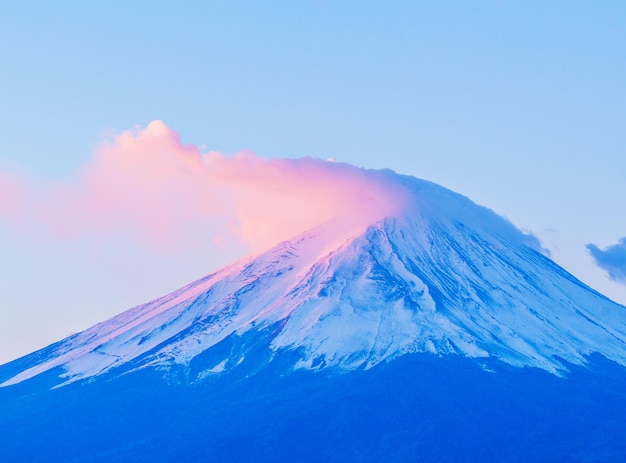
437, 333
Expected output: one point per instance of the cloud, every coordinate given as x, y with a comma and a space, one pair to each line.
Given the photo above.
12, 193
612, 259
146, 185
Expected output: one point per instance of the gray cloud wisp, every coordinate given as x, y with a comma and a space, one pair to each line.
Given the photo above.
611, 259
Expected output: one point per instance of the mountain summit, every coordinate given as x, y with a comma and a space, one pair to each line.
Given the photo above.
438, 332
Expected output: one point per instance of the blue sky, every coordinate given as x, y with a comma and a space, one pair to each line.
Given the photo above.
519, 105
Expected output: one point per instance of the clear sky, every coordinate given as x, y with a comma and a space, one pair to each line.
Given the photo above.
519, 105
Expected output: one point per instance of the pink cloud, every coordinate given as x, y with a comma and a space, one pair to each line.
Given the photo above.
147, 185
12, 195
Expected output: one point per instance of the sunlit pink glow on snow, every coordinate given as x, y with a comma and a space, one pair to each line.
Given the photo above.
147, 185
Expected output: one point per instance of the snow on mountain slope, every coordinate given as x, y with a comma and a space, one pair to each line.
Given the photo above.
442, 275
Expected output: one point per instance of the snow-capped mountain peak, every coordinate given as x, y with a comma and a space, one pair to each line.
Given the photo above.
442, 275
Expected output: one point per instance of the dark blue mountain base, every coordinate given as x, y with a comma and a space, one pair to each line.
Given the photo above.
416, 408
